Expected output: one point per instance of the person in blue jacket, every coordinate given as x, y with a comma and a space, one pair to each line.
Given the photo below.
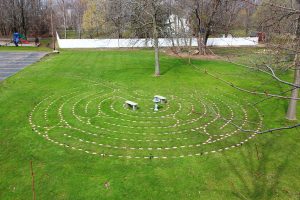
16, 38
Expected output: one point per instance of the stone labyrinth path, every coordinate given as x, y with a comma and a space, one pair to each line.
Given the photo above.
92, 119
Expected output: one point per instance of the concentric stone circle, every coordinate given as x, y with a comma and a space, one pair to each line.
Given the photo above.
93, 120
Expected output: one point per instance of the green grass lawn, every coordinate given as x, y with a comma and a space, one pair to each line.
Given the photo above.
66, 115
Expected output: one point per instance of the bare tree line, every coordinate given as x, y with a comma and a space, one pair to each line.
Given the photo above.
117, 18
26, 16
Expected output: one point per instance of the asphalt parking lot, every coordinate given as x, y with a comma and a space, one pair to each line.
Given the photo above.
12, 62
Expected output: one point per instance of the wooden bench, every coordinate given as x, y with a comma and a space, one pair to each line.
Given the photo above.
131, 104
161, 98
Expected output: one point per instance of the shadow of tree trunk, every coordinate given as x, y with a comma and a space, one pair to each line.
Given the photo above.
257, 178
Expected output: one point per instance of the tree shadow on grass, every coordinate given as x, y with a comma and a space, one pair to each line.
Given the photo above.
257, 175
165, 71
167, 67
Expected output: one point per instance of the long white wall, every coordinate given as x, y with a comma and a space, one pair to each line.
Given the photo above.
163, 42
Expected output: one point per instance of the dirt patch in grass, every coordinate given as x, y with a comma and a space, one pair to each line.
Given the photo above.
186, 55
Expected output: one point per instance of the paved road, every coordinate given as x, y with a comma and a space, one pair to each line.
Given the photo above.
12, 62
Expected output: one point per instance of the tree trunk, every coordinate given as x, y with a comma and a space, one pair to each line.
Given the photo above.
199, 31
190, 48
177, 31
52, 26
65, 19
23, 20
156, 47
201, 45
173, 34
79, 31
157, 64
292, 110
247, 22
206, 35
14, 17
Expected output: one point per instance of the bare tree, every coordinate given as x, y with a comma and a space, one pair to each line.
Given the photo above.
28, 17
179, 23
282, 22
117, 16
79, 8
150, 15
282, 19
94, 17
202, 19
226, 16
291, 113
62, 6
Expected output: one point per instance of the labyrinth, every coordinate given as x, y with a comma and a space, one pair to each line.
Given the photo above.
93, 119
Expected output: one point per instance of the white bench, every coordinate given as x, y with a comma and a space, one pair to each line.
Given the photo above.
131, 104
161, 98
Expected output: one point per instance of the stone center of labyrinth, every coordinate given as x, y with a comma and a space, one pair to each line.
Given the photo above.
93, 120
